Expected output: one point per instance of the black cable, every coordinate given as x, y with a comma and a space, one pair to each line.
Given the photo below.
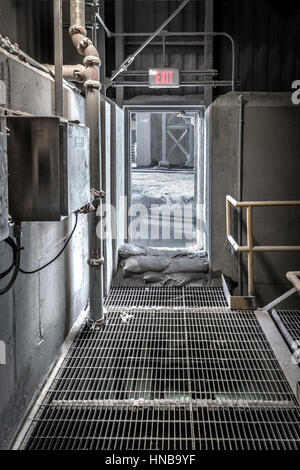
17, 255
58, 255
13, 246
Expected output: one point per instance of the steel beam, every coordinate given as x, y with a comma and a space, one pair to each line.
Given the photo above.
58, 57
119, 48
132, 57
208, 47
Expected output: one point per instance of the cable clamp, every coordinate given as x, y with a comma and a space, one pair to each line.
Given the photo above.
97, 194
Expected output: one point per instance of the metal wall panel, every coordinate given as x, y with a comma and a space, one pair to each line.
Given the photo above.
270, 172
48, 168
146, 16
76, 185
266, 35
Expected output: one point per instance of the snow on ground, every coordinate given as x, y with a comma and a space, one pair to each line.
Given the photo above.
162, 187
166, 188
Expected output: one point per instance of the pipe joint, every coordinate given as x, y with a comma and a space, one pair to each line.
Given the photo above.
91, 61
77, 29
78, 74
92, 85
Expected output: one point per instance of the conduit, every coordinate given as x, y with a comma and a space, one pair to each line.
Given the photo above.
242, 103
90, 76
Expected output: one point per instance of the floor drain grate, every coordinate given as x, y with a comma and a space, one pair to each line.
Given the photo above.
170, 379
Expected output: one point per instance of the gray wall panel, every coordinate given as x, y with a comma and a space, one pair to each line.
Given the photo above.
270, 172
37, 313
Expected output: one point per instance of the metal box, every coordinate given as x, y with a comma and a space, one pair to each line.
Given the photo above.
4, 228
48, 163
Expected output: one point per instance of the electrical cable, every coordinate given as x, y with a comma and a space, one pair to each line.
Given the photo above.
23, 271
12, 244
17, 259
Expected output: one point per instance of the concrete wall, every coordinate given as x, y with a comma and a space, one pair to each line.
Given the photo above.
113, 183
106, 186
143, 139
37, 313
113, 177
118, 189
271, 168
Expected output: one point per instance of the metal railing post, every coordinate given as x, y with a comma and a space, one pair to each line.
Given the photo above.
228, 218
250, 252
250, 249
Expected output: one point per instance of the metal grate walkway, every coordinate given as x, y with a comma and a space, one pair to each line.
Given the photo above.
174, 369
291, 321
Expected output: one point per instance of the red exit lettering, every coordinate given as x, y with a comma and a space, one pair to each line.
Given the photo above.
164, 77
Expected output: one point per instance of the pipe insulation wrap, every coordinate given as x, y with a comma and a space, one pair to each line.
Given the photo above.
91, 78
77, 12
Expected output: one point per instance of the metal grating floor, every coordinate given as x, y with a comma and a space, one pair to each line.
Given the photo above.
180, 371
291, 321
171, 297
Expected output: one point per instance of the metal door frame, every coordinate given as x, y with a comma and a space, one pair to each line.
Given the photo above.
198, 166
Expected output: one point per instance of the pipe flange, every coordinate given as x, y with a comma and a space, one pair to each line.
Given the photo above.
92, 85
91, 60
77, 29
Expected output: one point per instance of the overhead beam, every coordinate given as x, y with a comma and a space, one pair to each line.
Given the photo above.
125, 64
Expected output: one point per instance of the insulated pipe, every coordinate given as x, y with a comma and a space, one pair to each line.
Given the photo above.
70, 72
90, 76
77, 12
91, 60
58, 58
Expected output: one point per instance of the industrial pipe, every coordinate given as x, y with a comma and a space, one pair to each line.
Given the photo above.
90, 76
77, 12
58, 58
73, 73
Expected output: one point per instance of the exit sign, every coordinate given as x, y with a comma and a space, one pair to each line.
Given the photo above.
164, 78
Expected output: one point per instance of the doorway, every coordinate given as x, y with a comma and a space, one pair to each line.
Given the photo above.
166, 177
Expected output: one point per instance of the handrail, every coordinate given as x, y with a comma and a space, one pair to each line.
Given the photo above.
294, 278
250, 248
